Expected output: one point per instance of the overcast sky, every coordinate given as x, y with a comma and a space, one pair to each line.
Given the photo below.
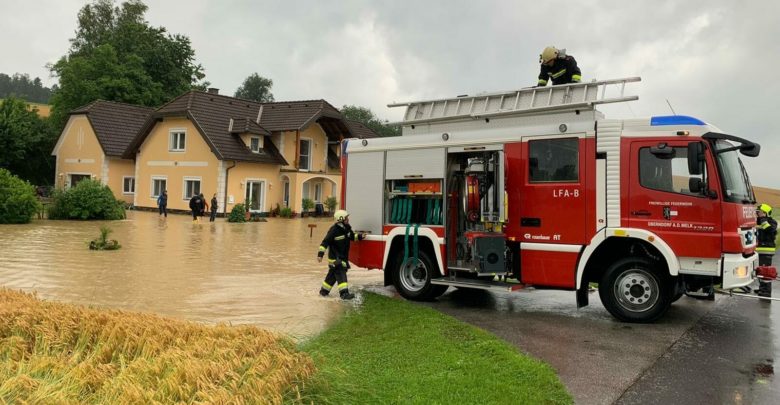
716, 60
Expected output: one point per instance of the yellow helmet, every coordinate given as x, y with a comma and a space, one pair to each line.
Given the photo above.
340, 215
766, 208
548, 54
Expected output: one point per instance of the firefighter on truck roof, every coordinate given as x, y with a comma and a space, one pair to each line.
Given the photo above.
767, 232
558, 67
336, 242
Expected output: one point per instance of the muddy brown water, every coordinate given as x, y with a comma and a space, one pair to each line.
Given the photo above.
262, 273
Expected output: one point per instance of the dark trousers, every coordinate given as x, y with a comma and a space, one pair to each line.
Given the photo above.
164, 209
195, 213
765, 287
213, 214
337, 275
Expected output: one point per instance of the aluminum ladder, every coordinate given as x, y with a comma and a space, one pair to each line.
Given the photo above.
531, 100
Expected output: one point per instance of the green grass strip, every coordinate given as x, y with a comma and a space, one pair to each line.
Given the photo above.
390, 351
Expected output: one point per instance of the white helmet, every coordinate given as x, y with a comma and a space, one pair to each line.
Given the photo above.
340, 215
548, 54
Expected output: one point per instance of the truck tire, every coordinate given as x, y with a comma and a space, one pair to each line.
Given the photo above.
632, 290
413, 280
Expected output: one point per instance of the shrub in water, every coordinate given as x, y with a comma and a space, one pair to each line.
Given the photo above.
102, 242
237, 214
89, 199
17, 199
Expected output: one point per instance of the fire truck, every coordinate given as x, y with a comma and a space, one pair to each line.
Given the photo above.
535, 187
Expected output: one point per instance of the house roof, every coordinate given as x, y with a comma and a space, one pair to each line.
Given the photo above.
212, 114
359, 130
115, 124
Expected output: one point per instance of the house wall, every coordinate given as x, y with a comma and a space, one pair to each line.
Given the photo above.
319, 148
154, 159
78, 152
117, 170
239, 176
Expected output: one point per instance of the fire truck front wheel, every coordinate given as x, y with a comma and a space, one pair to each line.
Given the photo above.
412, 278
634, 290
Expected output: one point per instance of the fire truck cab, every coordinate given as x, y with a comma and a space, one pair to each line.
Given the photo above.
535, 187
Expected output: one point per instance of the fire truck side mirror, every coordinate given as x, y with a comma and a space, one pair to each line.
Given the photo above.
695, 158
695, 185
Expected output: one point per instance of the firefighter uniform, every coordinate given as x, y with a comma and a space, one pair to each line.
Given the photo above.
336, 242
767, 233
564, 70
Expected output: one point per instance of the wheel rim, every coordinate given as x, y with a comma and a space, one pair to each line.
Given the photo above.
636, 290
414, 276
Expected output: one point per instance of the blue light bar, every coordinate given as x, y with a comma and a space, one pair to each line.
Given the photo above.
675, 120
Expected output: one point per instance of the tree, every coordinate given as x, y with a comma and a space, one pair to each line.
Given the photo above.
117, 56
26, 141
20, 85
367, 118
256, 88
17, 199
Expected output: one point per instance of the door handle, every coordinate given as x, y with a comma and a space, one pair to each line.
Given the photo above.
641, 213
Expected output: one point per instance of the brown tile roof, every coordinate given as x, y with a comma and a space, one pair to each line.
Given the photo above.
115, 124
211, 113
361, 131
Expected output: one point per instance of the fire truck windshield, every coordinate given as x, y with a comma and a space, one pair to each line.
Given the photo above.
734, 178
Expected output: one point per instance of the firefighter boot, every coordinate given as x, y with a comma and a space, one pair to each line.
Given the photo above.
764, 289
324, 292
346, 295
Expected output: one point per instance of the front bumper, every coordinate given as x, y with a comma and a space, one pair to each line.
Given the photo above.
738, 271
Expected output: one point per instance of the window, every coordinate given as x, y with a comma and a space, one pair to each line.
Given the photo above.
128, 185
666, 173
191, 187
254, 144
318, 192
304, 159
553, 160
286, 193
159, 184
177, 141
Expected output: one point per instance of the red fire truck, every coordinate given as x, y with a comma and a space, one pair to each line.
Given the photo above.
535, 187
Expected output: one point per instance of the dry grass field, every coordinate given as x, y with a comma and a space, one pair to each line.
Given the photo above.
59, 353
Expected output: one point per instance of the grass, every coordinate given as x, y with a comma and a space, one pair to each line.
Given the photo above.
392, 351
58, 353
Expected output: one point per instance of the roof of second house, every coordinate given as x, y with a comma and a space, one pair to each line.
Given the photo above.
115, 124
360, 130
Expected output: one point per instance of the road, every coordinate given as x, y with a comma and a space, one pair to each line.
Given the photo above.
700, 352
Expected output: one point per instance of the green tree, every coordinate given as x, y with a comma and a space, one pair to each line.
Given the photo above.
26, 141
367, 118
256, 88
89, 199
17, 199
20, 85
116, 55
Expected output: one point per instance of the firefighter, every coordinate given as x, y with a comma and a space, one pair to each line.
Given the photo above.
559, 67
767, 232
337, 242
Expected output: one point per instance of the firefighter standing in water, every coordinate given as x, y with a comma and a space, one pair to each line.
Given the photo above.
337, 242
558, 67
767, 232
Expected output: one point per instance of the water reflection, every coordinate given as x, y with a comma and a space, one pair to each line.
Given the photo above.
258, 273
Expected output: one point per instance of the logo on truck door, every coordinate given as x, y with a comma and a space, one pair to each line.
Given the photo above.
566, 193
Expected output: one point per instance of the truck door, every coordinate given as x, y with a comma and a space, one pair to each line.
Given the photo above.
552, 209
661, 200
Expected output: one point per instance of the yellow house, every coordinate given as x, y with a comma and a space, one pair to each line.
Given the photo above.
93, 142
262, 154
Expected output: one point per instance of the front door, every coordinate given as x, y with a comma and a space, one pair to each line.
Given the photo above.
254, 196
660, 199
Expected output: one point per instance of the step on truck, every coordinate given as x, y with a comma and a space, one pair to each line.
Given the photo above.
535, 187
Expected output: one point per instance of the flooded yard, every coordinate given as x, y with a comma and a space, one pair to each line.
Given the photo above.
262, 273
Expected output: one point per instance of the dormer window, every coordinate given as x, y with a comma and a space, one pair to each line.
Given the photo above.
255, 144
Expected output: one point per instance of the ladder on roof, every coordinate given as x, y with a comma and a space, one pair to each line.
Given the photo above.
567, 97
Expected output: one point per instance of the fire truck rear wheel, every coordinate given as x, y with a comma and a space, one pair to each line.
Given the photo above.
633, 290
413, 279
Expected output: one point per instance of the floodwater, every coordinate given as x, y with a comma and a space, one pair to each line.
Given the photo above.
260, 273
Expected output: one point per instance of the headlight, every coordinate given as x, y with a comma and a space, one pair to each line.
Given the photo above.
741, 271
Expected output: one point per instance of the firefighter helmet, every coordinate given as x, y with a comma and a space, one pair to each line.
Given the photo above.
548, 54
340, 215
766, 208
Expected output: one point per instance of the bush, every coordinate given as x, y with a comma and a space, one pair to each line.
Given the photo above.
331, 203
89, 199
307, 204
17, 199
237, 214
286, 212
102, 242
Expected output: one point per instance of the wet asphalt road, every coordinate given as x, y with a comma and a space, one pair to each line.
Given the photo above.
700, 352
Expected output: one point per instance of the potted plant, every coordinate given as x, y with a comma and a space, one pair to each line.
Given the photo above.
248, 204
331, 204
306, 205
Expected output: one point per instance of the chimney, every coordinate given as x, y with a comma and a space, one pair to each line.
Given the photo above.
213, 90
